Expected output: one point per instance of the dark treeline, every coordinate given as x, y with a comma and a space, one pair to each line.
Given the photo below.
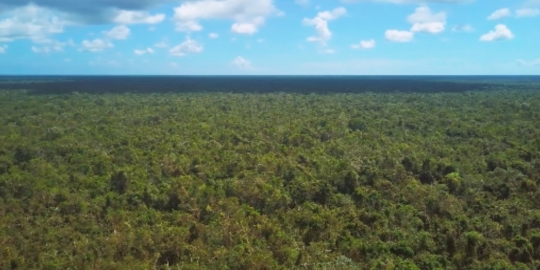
250, 84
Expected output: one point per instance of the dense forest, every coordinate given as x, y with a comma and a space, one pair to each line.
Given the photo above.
270, 181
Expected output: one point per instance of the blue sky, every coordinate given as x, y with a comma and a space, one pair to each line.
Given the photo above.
275, 37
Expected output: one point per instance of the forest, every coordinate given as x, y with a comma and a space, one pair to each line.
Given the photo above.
277, 180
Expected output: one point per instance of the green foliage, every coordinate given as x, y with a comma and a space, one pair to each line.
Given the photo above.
270, 181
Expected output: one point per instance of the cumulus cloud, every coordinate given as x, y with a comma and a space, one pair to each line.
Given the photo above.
527, 12
463, 28
96, 45
244, 28
118, 32
30, 22
398, 36
500, 13
3, 49
241, 63
137, 17
143, 52
213, 35
501, 32
248, 15
320, 22
423, 20
186, 47
364, 44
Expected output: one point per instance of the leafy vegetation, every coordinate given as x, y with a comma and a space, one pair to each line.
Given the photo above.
270, 181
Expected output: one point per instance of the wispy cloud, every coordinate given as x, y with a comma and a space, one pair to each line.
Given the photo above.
529, 63
500, 13
364, 44
143, 52
51, 45
527, 12
242, 63
96, 45
463, 28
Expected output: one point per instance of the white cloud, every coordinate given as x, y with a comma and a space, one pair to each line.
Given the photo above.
51, 45
302, 2
424, 20
501, 32
143, 52
463, 28
244, 28
118, 32
500, 13
161, 44
137, 17
96, 45
3, 49
321, 24
527, 12
364, 44
248, 15
213, 35
188, 46
30, 22
398, 36
242, 63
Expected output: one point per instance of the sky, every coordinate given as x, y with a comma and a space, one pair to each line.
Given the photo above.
270, 37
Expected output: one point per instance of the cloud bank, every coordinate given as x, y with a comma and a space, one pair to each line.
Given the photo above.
247, 15
93, 11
